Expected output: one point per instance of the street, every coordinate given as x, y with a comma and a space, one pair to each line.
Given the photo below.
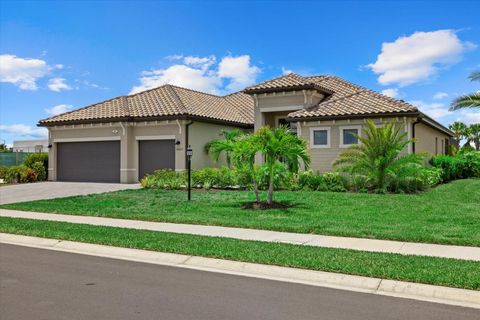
44, 284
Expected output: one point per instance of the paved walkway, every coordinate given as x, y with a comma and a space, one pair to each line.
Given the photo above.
49, 190
405, 248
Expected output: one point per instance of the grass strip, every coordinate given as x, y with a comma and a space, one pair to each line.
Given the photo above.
429, 270
447, 214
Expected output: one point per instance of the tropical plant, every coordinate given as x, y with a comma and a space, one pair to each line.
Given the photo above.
377, 156
471, 100
280, 147
243, 154
472, 134
459, 130
216, 147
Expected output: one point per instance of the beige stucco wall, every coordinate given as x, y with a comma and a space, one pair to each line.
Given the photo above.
322, 158
199, 134
128, 134
429, 140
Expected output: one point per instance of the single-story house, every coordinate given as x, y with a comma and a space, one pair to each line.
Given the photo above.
124, 138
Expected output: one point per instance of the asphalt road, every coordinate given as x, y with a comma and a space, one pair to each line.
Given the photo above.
44, 284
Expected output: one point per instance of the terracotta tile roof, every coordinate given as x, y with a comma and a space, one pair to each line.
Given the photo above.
290, 81
350, 99
342, 99
164, 101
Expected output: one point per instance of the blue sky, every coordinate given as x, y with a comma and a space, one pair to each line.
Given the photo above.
56, 56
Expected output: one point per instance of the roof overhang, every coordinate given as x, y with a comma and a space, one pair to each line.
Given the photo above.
289, 88
142, 119
355, 116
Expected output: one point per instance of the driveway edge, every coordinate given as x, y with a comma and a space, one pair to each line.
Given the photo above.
401, 289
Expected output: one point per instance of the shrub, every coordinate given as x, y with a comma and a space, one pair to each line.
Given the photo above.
3, 172
431, 176
452, 167
330, 181
31, 158
40, 170
471, 164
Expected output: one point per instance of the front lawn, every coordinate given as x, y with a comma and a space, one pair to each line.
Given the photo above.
448, 214
437, 271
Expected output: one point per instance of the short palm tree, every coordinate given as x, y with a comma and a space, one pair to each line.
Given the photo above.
469, 100
459, 130
280, 146
243, 156
473, 135
216, 147
377, 156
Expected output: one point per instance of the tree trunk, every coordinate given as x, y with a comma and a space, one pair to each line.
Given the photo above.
270, 186
255, 189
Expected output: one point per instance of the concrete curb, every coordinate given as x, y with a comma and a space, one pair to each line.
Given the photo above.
438, 294
372, 245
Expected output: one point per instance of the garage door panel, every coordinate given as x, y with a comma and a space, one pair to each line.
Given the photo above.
97, 161
155, 154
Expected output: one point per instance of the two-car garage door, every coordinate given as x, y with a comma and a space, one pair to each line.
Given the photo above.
99, 161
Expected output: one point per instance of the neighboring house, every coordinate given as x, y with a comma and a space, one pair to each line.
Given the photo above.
122, 139
32, 145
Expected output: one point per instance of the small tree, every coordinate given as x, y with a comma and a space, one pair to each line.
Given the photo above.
378, 155
459, 130
243, 155
280, 146
216, 147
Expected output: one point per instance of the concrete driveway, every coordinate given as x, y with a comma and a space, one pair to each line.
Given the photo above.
50, 190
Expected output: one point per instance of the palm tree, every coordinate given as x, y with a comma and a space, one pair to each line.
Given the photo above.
378, 155
216, 147
469, 100
459, 130
243, 155
473, 135
280, 146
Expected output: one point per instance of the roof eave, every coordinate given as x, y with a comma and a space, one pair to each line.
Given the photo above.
355, 116
289, 88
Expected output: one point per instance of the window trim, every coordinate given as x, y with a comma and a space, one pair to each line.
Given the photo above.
320, 146
341, 128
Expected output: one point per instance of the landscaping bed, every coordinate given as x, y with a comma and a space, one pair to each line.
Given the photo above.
447, 214
436, 271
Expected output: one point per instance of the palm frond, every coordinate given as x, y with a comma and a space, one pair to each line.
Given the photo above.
474, 76
466, 101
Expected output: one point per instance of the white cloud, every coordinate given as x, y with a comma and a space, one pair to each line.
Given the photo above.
286, 71
435, 110
24, 130
469, 117
392, 92
199, 73
21, 72
58, 84
440, 95
410, 59
239, 71
61, 108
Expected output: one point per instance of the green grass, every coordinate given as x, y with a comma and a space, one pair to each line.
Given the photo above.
448, 214
437, 271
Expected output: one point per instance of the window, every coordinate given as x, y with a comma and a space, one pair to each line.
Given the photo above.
320, 137
292, 126
348, 135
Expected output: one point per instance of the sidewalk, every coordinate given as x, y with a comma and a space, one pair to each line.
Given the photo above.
405, 248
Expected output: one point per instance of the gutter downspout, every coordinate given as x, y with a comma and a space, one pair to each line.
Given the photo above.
419, 119
186, 140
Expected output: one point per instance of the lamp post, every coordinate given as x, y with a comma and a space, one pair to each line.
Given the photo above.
189, 158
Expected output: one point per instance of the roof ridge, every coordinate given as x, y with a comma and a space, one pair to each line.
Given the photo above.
172, 88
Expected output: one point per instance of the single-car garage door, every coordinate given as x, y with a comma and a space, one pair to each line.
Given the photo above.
97, 161
155, 154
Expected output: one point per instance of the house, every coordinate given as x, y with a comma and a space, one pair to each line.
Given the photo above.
124, 138
31, 145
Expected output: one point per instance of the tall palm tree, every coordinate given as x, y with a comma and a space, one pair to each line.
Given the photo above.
216, 147
469, 100
377, 156
280, 147
459, 130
